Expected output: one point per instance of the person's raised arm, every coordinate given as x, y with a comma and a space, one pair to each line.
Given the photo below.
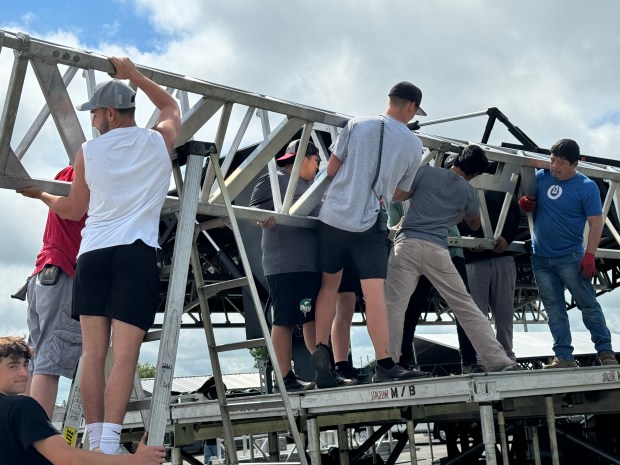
75, 204
169, 122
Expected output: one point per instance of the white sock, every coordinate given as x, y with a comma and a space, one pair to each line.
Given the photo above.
94, 435
110, 437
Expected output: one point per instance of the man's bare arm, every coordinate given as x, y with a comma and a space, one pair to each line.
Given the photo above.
56, 450
595, 224
74, 206
473, 222
333, 165
169, 122
399, 195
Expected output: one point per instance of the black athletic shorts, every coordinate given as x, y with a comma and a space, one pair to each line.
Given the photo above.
367, 252
120, 282
350, 281
293, 297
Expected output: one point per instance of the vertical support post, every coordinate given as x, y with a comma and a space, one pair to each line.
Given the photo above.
314, 441
553, 439
175, 301
175, 456
343, 445
73, 412
488, 433
533, 433
274, 447
501, 423
412, 447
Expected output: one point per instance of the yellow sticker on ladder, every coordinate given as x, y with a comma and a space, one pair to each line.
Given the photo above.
70, 435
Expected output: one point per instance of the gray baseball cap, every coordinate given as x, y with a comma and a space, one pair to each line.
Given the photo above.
111, 94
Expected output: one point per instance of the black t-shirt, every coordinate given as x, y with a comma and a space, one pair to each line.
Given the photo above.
22, 423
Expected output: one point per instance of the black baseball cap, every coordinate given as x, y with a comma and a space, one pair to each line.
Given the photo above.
408, 91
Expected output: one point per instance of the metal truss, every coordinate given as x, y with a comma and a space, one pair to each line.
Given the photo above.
250, 130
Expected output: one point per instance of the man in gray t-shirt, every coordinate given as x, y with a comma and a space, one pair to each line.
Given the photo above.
374, 160
440, 199
289, 264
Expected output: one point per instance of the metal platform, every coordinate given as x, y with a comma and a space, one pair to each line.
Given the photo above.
519, 396
526, 394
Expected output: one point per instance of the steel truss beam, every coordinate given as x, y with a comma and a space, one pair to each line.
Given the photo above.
236, 114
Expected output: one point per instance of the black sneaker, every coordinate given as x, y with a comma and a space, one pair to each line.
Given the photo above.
348, 373
293, 383
396, 373
324, 374
343, 381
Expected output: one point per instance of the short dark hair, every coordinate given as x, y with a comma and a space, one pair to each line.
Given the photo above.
472, 160
14, 347
567, 149
127, 112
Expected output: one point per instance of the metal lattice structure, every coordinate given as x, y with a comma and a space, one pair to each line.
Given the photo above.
240, 121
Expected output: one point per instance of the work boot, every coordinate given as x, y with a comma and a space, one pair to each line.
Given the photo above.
560, 363
470, 368
324, 375
512, 367
396, 373
607, 358
293, 383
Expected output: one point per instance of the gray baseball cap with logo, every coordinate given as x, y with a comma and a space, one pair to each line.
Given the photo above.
110, 94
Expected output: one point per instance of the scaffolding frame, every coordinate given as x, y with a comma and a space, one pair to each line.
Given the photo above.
214, 104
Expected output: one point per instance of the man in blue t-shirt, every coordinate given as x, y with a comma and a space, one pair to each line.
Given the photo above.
566, 199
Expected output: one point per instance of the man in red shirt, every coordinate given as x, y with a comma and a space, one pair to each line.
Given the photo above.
54, 335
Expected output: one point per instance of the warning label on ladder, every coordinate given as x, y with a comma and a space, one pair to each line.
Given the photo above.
70, 435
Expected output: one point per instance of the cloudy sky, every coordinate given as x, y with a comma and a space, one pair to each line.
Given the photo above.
551, 67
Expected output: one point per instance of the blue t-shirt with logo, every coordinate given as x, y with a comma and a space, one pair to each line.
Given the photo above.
562, 210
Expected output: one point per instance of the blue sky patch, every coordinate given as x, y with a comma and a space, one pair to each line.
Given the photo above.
90, 21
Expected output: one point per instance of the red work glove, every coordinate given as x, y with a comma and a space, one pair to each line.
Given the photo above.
527, 203
587, 266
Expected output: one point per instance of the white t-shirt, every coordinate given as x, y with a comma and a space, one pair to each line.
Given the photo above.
128, 173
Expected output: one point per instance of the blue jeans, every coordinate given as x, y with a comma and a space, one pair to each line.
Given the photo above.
552, 276
210, 450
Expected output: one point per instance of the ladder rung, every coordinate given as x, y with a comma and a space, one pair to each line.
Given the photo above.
212, 289
260, 342
212, 224
271, 463
152, 336
134, 405
260, 405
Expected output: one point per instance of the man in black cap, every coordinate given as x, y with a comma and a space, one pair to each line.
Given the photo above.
374, 160
289, 263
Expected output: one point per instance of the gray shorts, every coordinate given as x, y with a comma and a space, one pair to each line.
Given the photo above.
54, 335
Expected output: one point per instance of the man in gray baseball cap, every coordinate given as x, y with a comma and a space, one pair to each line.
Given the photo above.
121, 180
110, 94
